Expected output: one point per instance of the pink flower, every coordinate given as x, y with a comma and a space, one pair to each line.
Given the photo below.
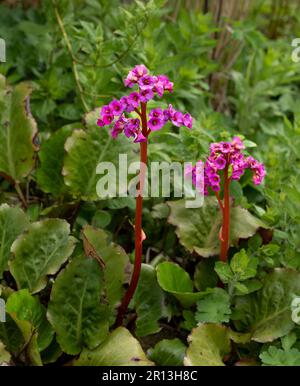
177, 119
188, 121
131, 127
148, 87
128, 106
140, 137
220, 162
166, 84
146, 82
140, 70
131, 79
100, 122
225, 147
106, 110
146, 95
134, 99
155, 124
226, 154
108, 119
158, 88
156, 113
117, 107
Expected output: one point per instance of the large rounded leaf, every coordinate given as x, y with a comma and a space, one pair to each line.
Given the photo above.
85, 150
13, 222
198, 229
267, 313
175, 280
75, 311
116, 262
209, 343
119, 349
168, 352
21, 305
149, 301
40, 252
4, 355
18, 130
51, 155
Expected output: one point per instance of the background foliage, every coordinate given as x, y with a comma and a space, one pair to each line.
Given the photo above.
65, 254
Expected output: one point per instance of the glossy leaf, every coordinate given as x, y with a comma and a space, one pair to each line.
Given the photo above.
267, 313
40, 252
4, 355
116, 263
51, 155
119, 349
198, 229
22, 306
18, 131
208, 344
13, 222
75, 311
149, 302
168, 352
174, 279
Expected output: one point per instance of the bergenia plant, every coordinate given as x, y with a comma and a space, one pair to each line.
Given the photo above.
119, 115
226, 158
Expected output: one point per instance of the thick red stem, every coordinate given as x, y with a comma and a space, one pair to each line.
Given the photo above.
225, 234
138, 225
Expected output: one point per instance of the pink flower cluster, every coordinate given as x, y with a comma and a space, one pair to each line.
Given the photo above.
115, 112
228, 155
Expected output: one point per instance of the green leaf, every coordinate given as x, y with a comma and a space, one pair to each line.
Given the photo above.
23, 306
168, 352
39, 252
18, 130
4, 355
274, 356
205, 276
101, 219
51, 155
29, 334
198, 229
52, 352
85, 149
10, 335
119, 349
208, 344
13, 222
224, 271
247, 287
267, 312
116, 263
214, 307
160, 211
74, 310
175, 280
242, 266
189, 321
193, 225
149, 301
288, 341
